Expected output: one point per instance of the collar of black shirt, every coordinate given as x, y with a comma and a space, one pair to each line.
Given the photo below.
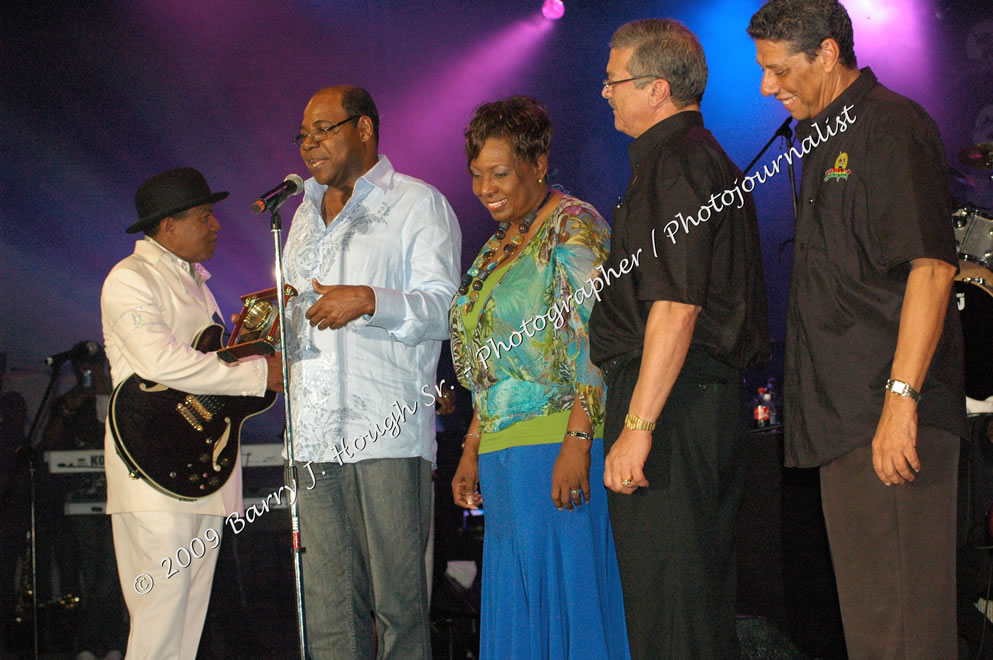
851, 94
666, 130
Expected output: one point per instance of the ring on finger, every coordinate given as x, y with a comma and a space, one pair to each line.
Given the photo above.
626, 482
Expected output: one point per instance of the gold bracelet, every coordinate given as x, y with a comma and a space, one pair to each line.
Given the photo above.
636, 423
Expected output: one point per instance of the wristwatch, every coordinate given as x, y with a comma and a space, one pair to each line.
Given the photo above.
636, 423
902, 388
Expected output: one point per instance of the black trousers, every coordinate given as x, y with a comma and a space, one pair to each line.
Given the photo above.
675, 539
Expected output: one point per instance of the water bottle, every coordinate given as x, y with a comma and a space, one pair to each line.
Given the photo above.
770, 389
770, 405
760, 409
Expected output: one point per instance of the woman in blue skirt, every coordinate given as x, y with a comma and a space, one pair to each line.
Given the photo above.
551, 588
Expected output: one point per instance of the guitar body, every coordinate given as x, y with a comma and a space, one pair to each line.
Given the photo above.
183, 445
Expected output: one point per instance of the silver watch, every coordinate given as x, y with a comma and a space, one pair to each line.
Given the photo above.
902, 388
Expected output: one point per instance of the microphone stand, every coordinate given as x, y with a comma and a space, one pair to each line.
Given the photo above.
788, 134
32, 458
785, 131
291, 468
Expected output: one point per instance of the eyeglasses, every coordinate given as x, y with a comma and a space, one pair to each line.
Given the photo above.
319, 134
610, 83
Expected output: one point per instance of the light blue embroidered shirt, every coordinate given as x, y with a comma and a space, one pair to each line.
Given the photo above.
363, 391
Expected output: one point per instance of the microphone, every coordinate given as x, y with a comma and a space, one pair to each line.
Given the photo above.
89, 349
785, 129
272, 200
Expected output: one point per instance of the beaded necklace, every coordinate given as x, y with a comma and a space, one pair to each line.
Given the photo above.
484, 264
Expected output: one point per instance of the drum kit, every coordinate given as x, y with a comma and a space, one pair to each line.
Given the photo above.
974, 283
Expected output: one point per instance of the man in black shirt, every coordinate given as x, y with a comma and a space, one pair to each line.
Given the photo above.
682, 311
874, 391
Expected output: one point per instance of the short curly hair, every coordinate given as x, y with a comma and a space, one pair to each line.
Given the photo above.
520, 119
805, 24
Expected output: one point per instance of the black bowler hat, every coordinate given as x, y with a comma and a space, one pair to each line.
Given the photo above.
169, 193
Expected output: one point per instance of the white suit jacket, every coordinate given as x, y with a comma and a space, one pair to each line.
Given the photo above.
152, 306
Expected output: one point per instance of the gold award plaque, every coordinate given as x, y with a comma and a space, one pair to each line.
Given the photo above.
257, 329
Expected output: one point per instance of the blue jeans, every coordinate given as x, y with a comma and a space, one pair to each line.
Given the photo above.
364, 526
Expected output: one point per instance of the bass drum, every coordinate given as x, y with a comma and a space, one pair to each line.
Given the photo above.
974, 297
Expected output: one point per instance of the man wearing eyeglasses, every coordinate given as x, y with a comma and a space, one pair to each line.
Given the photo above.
672, 338
375, 255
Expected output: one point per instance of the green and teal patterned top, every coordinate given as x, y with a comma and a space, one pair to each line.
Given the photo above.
523, 348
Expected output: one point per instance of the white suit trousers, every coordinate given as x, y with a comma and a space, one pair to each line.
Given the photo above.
167, 600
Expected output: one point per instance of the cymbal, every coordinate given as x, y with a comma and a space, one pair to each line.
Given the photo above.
979, 156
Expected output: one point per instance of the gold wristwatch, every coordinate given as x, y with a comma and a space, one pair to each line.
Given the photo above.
636, 423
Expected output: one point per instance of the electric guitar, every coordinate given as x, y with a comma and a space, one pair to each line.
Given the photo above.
183, 445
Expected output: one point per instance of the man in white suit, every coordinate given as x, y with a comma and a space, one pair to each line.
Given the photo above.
153, 304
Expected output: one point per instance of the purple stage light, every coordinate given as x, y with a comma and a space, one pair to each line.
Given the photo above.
495, 67
881, 24
872, 12
553, 10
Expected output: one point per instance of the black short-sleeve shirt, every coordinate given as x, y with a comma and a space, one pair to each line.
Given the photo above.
874, 196
694, 239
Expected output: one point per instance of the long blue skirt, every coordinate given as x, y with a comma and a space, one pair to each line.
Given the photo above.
551, 588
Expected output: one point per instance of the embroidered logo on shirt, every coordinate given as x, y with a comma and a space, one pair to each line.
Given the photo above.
840, 169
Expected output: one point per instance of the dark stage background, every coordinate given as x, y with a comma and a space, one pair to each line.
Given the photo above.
98, 96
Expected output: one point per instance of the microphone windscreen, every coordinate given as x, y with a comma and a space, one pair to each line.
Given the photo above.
297, 180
